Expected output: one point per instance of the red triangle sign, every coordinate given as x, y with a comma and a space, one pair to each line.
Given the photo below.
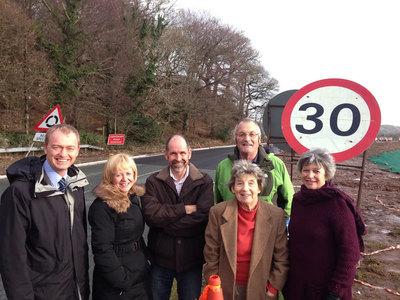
52, 118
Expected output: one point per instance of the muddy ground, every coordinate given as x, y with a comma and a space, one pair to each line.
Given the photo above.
383, 224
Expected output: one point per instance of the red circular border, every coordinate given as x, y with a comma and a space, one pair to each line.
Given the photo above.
369, 99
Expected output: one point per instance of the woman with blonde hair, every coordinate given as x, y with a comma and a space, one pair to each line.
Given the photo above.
122, 267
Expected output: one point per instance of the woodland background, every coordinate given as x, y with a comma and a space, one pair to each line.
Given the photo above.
140, 68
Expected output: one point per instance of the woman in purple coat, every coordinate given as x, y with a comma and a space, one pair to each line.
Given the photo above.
325, 234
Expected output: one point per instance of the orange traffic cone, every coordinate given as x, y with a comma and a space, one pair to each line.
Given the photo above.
213, 290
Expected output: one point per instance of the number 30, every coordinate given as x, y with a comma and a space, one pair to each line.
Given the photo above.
333, 119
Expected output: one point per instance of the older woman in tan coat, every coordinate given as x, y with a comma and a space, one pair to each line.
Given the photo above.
246, 241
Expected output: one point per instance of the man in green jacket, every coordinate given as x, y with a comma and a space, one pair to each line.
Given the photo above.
278, 190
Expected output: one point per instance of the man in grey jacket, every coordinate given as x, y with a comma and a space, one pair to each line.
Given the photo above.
43, 240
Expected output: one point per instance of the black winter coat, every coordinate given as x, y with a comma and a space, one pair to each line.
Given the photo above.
40, 257
176, 240
122, 270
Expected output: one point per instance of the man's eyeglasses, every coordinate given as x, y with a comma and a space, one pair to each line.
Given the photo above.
242, 135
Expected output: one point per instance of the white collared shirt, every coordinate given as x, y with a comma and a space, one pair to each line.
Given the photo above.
53, 175
179, 184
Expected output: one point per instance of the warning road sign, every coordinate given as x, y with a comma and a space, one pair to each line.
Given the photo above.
52, 118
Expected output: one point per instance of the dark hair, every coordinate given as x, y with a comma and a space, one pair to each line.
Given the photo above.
176, 135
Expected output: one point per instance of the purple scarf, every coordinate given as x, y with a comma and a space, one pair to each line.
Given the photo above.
329, 191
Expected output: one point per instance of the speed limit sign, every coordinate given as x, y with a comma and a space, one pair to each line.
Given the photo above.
337, 114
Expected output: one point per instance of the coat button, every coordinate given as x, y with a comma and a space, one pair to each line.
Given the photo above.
179, 241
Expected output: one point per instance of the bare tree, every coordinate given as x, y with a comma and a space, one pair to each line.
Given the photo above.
25, 71
122, 64
122, 38
212, 70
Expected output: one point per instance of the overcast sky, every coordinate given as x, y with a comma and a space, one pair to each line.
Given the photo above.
302, 41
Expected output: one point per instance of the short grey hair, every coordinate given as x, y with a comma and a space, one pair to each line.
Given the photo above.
247, 120
321, 157
243, 167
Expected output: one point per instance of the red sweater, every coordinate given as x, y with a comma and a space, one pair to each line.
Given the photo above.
246, 221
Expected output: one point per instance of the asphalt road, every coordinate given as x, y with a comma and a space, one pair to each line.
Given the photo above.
205, 159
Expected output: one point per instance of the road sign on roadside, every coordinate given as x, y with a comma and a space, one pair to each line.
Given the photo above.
116, 139
337, 114
39, 137
52, 118
272, 120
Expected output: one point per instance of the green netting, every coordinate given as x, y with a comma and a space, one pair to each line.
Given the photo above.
388, 160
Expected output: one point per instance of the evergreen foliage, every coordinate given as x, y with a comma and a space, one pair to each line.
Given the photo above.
140, 129
223, 132
65, 54
89, 138
15, 140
